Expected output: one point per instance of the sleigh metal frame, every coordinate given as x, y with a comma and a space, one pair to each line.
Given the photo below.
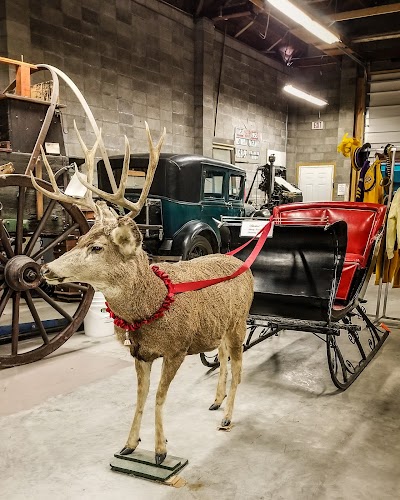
312, 275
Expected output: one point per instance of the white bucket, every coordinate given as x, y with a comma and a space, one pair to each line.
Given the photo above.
97, 321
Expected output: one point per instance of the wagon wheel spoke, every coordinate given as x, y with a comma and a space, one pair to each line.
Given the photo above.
40, 227
17, 292
2, 278
56, 241
15, 323
83, 288
35, 316
19, 231
5, 241
53, 304
4, 299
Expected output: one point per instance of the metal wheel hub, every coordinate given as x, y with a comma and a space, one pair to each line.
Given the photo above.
22, 273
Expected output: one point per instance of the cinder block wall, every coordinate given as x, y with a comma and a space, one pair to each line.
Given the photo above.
137, 60
4, 70
237, 87
335, 84
132, 60
250, 97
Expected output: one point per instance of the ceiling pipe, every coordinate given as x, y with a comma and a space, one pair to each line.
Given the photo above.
245, 28
233, 15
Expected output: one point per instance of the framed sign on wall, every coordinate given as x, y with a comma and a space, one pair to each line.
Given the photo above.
247, 145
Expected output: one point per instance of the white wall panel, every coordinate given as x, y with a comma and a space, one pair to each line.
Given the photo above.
382, 124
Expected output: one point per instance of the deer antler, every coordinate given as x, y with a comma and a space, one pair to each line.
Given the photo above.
56, 194
87, 200
118, 197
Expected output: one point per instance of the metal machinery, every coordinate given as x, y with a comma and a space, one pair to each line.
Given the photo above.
277, 189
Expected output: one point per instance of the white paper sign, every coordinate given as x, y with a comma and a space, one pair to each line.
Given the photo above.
75, 188
251, 228
341, 189
319, 125
52, 148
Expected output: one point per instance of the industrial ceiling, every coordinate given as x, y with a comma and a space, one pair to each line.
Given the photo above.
368, 29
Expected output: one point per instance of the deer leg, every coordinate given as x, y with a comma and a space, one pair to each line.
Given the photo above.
169, 368
223, 374
143, 383
236, 354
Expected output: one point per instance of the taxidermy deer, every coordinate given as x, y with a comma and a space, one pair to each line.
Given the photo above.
148, 318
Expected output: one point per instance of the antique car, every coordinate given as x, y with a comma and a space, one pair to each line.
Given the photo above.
188, 196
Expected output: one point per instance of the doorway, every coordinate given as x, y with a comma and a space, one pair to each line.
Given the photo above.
316, 182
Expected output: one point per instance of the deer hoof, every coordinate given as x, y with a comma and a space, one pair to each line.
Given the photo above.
160, 457
126, 451
225, 422
214, 406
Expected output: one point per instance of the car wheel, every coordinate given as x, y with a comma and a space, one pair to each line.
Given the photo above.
198, 247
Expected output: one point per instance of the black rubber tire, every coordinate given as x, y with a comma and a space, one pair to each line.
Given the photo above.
198, 247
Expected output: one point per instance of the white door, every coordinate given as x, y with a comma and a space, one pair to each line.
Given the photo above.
316, 182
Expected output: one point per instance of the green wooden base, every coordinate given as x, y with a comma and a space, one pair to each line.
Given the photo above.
142, 464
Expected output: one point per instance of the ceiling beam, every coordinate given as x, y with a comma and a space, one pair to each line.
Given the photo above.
245, 28
367, 12
376, 38
233, 15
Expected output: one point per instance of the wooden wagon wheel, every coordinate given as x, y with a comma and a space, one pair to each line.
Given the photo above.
20, 281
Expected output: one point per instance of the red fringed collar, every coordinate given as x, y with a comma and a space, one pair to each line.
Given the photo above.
158, 314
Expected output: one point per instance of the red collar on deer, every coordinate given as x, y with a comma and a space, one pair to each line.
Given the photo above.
158, 314
175, 288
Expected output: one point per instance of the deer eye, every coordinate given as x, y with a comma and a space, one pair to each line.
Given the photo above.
96, 249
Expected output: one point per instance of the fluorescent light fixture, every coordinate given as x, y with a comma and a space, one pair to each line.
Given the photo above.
304, 20
303, 95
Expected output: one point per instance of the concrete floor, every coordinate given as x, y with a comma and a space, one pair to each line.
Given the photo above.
294, 436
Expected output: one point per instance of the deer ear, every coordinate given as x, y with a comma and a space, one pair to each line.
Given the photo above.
127, 237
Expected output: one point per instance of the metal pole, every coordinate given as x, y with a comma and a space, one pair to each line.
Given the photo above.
389, 204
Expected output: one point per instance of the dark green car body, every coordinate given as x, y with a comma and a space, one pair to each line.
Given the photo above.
188, 196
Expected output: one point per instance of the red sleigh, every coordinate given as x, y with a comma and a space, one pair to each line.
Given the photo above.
312, 276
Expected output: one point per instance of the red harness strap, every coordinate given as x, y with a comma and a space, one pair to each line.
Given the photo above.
198, 285
174, 288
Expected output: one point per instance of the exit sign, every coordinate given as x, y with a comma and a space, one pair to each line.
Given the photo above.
319, 125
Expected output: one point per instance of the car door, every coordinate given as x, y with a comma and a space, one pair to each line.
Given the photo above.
236, 194
213, 196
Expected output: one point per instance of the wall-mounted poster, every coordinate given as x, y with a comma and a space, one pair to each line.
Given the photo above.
247, 145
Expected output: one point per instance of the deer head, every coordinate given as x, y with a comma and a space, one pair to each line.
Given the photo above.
113, 240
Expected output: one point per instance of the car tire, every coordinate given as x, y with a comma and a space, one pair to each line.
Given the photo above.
198, 247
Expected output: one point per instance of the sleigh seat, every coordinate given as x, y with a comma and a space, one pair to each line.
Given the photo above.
364, 230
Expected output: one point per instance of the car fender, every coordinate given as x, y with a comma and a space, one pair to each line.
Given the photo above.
186, 234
